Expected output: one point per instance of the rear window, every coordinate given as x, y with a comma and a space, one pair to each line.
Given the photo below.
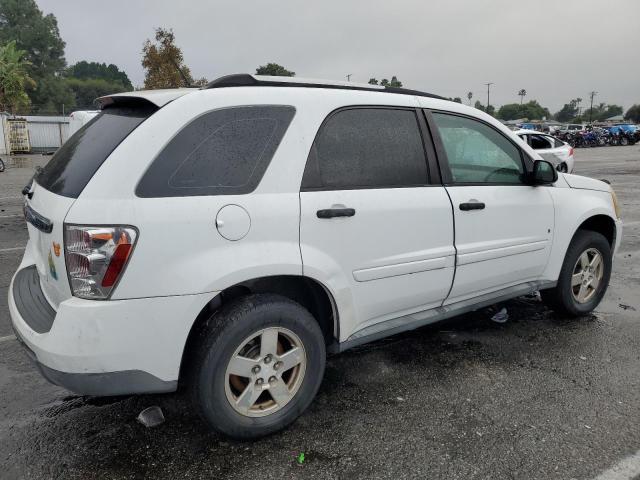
223, 152
73, 165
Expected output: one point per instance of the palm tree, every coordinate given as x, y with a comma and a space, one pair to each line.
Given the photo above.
470, 96
522, 93
13, 77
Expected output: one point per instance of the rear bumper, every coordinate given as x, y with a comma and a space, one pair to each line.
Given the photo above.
113, 347
102, 384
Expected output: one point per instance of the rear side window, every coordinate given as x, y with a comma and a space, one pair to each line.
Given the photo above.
80, 157
367, 148
557, 143
540, 142
223, 152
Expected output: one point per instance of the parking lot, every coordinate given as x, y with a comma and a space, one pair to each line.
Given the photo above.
537, 397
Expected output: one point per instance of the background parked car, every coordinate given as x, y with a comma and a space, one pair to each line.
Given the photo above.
553, 149
78, 119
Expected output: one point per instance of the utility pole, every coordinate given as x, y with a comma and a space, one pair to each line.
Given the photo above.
592, 94
349, 77
488, 90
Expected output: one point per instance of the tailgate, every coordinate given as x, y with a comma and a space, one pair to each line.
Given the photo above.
45, 213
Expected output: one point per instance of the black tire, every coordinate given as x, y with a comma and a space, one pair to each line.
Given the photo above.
563, 168
561, 298
223, 333
1, 166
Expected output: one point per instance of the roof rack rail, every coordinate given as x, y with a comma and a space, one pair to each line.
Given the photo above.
248, 80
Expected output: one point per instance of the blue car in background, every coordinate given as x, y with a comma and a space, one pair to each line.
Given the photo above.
627, 127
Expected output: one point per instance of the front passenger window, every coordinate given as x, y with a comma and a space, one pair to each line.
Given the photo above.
477, 153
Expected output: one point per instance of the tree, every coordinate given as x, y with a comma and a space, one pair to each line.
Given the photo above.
469, 96
201, 82
93, 70
386, 83
531, 110
633, 114
568, 111
90, 80
38, 35
602, 111
86, 91
522, 93
164, 63
490, 109
395, 83
457, 100
275, 70
14, 78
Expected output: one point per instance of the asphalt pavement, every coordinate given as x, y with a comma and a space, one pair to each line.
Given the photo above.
538, 397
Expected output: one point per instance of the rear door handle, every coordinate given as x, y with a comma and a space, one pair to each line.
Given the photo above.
336, 212
472, 206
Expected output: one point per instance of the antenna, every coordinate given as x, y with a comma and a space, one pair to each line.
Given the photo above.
184, 77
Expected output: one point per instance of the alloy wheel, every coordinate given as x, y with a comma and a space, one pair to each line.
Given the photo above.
587, 275
265, 372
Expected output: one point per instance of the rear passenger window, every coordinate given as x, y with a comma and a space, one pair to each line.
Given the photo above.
367, 148
222, 152
540, 142
557, 143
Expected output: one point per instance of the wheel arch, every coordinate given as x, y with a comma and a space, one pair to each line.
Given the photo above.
308, 292
602, 224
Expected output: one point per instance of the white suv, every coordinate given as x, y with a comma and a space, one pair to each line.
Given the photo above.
226, 238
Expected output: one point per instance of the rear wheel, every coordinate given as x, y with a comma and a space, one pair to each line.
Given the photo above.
584, 276
563, 168
624, 141
258, 367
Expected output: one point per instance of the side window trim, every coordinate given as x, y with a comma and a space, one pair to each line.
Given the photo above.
443, 161
429, 154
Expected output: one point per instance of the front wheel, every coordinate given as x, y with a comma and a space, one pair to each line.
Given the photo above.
258, 367
584, 276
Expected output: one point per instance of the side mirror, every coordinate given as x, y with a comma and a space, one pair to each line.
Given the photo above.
543, 173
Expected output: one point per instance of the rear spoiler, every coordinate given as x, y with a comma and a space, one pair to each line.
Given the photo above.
158, 98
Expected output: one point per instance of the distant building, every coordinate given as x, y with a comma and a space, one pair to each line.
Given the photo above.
615, 119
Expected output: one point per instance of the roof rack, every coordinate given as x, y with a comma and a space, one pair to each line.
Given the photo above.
248, 80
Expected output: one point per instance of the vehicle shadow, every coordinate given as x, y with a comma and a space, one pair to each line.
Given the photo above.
366, 390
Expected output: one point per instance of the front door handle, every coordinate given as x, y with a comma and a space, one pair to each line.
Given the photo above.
336, 212
474, 205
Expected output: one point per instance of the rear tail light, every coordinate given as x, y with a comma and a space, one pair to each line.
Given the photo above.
96, 258
571, 151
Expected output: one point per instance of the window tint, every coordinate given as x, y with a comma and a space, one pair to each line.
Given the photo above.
540, 142
222, 152
477, 153
367, 148
79, 158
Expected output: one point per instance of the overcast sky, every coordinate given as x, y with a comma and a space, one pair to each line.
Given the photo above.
556, 50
